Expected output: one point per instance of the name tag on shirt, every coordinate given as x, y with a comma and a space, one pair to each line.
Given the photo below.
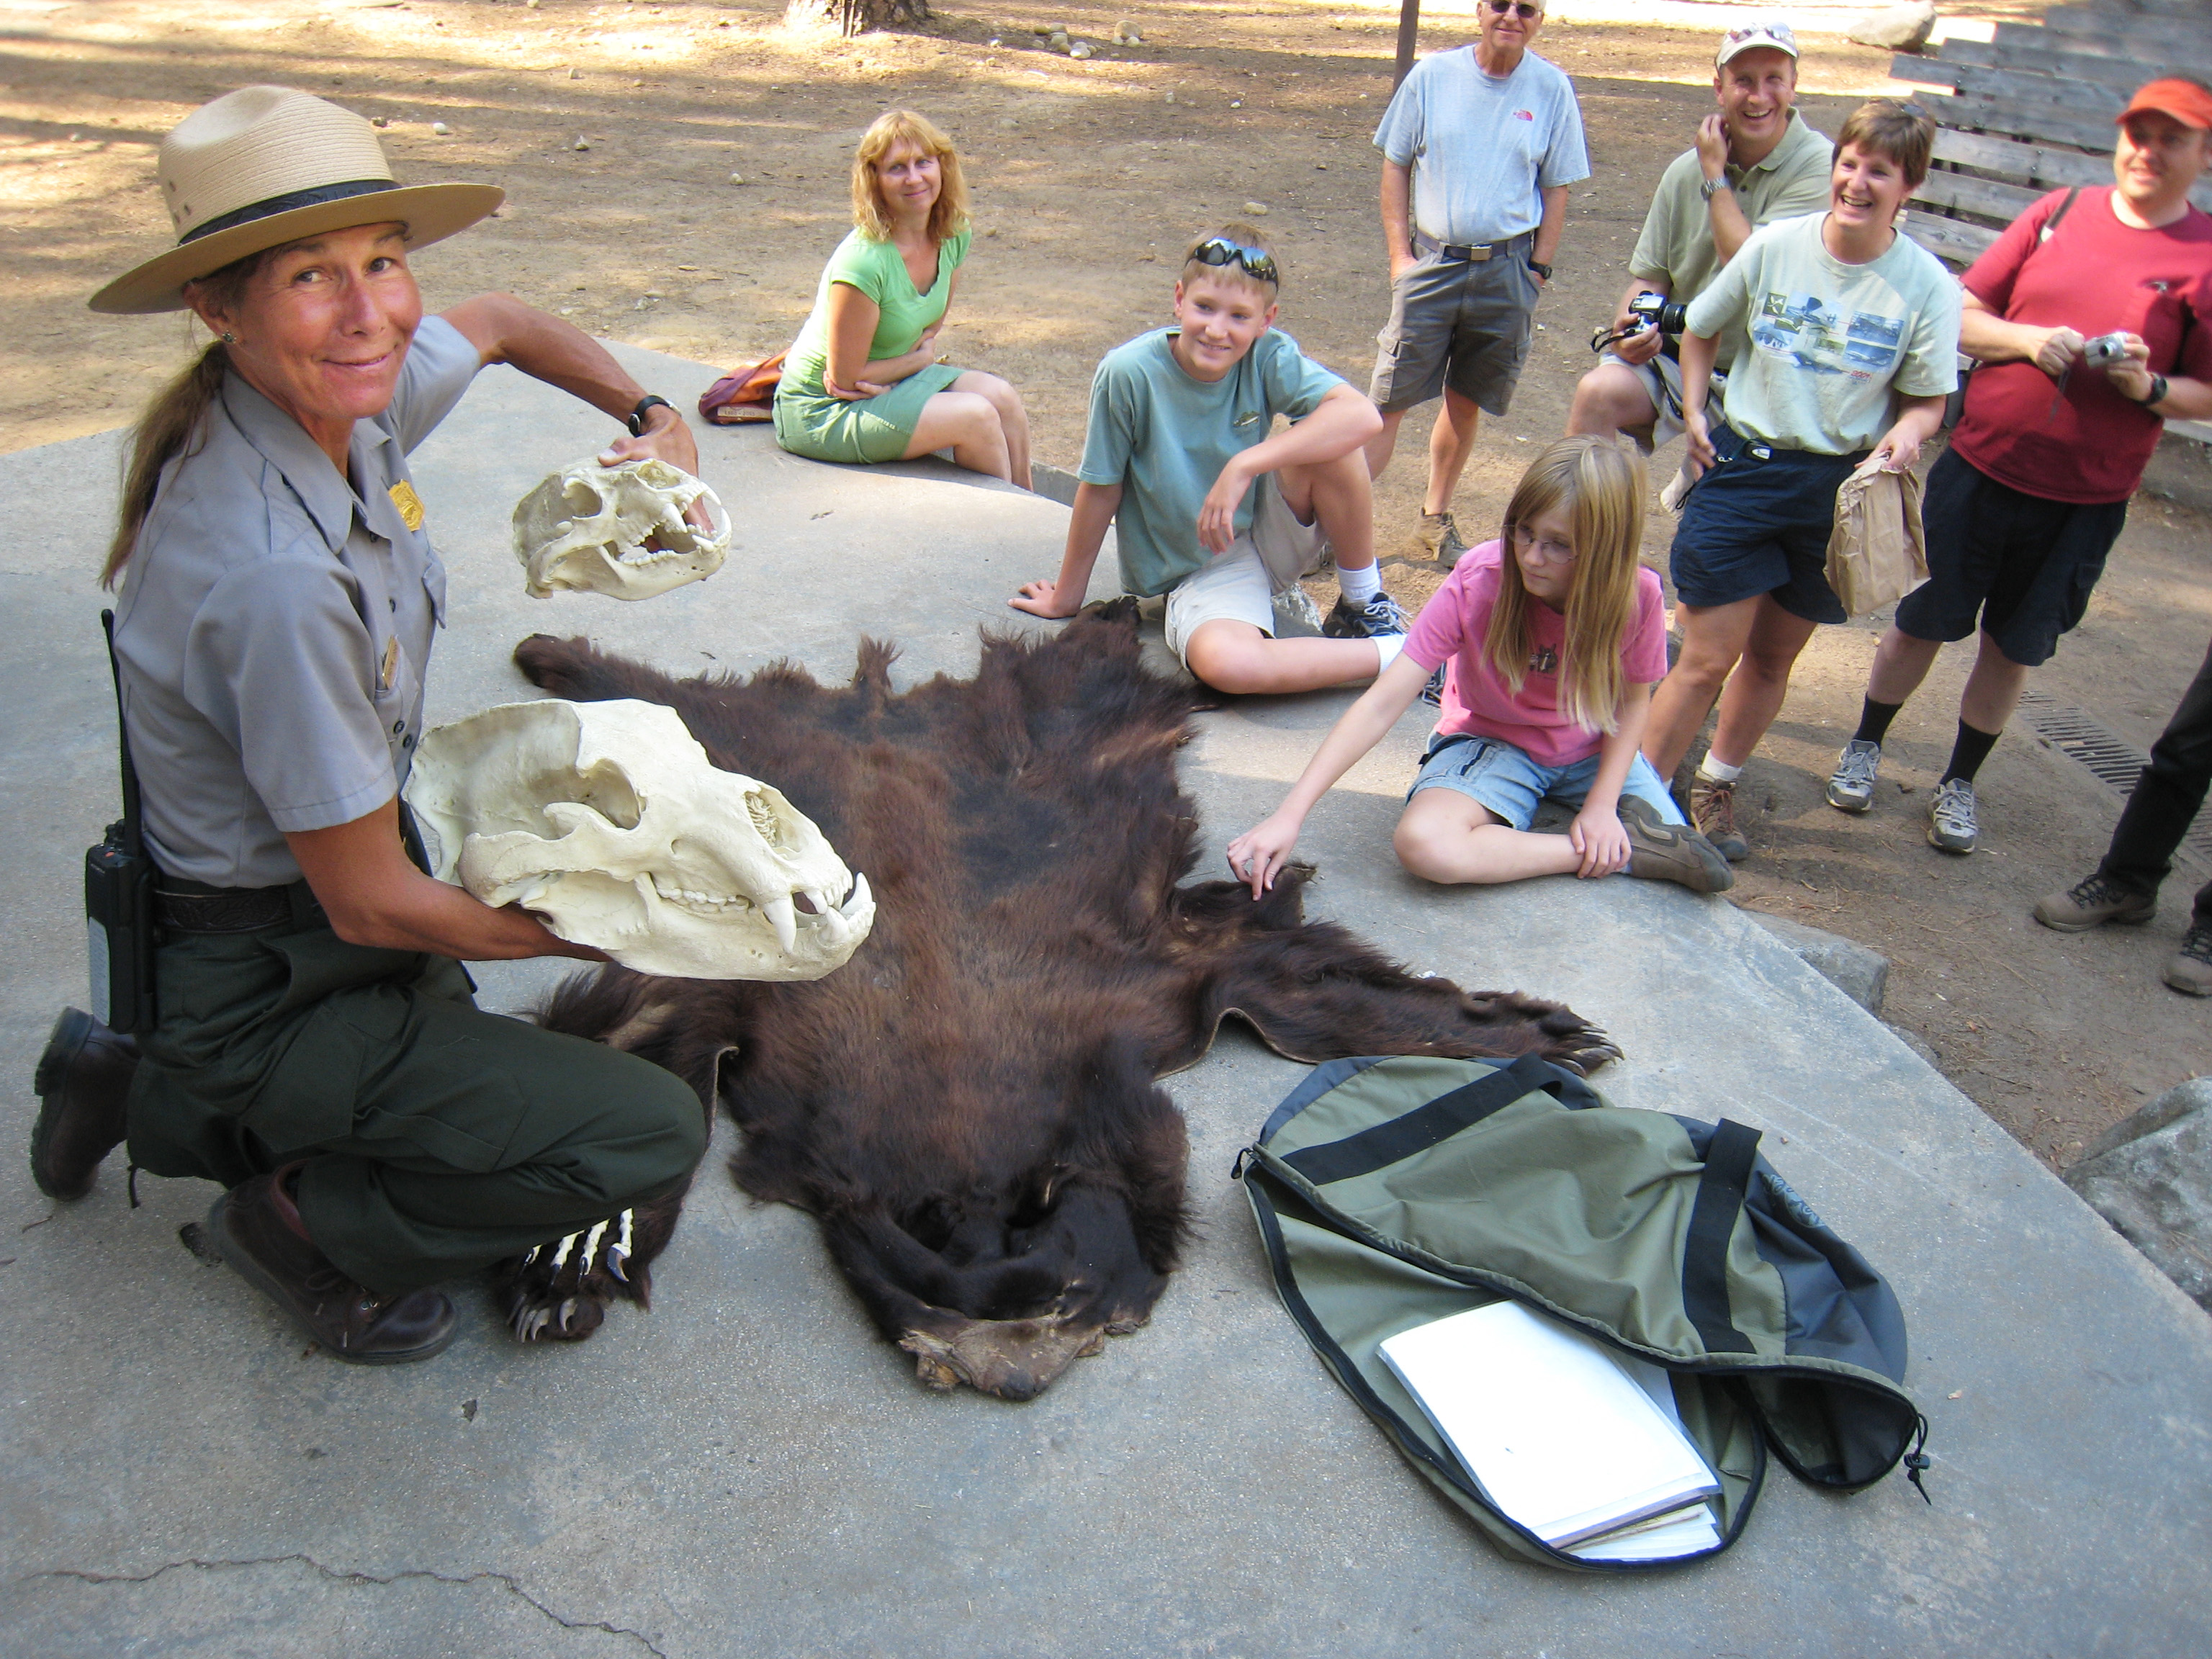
409, 503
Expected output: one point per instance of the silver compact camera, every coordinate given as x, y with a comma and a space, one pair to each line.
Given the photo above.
2104, 350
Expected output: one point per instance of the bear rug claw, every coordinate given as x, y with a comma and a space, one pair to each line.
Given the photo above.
968, 1107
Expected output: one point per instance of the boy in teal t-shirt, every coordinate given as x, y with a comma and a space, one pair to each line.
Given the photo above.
1214, 509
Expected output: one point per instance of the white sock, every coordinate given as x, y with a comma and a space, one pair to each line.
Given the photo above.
1718, 771
1388, 645
1361, 584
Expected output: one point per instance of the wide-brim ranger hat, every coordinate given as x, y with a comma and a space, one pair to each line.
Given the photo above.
264, 166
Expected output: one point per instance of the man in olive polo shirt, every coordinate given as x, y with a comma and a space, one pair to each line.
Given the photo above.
1755, 162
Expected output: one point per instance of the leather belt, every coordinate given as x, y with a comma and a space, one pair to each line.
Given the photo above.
1453, 254
192, 906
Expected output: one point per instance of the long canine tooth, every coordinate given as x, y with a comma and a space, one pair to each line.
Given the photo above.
783, 916
862, 897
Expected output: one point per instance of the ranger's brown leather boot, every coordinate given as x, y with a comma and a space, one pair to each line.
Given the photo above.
82, 1081
256, 1226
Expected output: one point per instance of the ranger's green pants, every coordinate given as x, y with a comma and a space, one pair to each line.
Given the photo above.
439, 1138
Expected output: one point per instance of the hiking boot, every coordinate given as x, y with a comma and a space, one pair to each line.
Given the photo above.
1439, 533
1951, 826
1851, 785
2093, 901
83, 1080
1712, 811
255, 1226
1380, 614
1658, 851
2191, 970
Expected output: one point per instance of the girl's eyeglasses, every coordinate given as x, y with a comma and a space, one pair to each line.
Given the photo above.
1520, 9
1254, 262
1546, 551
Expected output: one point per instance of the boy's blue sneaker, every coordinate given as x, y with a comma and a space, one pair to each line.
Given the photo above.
1380, 614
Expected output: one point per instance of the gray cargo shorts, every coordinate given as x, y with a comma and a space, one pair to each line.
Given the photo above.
1462, 325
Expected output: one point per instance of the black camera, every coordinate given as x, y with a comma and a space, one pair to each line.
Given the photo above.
1657, 309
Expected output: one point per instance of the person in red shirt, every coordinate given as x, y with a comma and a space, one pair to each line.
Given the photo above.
2022, 509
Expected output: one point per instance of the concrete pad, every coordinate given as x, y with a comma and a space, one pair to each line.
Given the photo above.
749, 1470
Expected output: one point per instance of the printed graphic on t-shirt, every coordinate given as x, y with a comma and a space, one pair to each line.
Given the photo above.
1813, 335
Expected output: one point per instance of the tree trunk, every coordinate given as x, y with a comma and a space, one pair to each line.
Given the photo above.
856, 16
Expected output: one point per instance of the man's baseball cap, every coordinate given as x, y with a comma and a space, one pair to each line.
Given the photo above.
1766, 32
2174, 95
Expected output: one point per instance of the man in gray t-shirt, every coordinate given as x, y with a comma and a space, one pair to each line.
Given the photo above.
1479, 147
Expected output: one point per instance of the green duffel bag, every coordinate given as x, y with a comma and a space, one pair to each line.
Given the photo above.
1393, 1192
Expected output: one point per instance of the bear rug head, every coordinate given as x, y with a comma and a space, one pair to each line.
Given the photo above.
968, 1107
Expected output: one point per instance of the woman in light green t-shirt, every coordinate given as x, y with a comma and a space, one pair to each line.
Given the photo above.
864, 381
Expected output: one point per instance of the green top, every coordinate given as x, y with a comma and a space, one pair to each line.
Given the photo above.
1164, 436
1676, 247
876, 269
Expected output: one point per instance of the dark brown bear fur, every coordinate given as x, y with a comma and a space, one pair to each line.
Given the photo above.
968, 1107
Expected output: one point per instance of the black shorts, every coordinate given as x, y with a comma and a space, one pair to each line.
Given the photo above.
1759, 522
2024, 564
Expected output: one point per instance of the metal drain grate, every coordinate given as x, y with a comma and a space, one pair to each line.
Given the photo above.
2106, 754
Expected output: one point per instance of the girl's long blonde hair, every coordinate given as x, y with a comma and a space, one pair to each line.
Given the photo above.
1600, 481
948, 216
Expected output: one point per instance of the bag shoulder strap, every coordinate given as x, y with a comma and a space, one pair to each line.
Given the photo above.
2050, 225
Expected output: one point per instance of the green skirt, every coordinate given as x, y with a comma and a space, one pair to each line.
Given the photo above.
809, 422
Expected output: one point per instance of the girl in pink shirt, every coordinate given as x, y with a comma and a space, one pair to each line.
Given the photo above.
1555, 635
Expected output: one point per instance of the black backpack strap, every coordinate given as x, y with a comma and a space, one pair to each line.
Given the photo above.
1386, 1144
134, 835
1721, 1190
2050, 225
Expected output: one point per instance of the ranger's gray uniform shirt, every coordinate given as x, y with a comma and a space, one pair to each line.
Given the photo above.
276, 623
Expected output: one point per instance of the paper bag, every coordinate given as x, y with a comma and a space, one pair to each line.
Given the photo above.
1877, 553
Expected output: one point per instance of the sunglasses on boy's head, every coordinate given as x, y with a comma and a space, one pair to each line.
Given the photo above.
1520, 9
1254, 262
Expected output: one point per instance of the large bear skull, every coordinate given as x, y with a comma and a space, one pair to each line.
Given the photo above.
586, 527
607, 822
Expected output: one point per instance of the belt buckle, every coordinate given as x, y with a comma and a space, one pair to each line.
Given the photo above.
1759, 451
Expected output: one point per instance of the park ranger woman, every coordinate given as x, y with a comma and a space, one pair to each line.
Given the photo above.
317, 1051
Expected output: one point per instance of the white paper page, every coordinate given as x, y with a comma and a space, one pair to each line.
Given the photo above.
1548, 1424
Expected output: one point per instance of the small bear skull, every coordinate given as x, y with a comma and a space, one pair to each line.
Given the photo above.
608, 822
587, 527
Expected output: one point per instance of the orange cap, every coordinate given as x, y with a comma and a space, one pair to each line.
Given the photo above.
2183, 100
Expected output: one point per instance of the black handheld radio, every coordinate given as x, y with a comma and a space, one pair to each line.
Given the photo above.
118, 896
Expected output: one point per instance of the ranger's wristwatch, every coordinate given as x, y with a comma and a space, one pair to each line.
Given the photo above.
635, 419
1542, 269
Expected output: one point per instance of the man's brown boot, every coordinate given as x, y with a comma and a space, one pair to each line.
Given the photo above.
1712, 811
256, 1226
82, 1081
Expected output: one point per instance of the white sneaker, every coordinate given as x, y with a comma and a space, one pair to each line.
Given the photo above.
1951, 826
1850, 787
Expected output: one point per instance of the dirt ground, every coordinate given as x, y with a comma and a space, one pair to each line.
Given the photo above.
675, 176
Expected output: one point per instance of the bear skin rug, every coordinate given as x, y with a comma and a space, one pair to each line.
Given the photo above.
969, 1108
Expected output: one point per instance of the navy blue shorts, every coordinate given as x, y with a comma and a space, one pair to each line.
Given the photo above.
1759, 522
2023, 564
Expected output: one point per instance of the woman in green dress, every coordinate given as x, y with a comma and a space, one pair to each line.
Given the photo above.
864, 381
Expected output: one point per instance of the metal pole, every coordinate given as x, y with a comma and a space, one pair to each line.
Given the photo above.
1409, 29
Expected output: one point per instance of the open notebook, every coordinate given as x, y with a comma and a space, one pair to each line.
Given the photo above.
1567, 1438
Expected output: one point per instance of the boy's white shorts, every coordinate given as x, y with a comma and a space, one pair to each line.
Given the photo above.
1242, 585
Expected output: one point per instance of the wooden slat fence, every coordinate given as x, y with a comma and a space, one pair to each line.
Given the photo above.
2031, 111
